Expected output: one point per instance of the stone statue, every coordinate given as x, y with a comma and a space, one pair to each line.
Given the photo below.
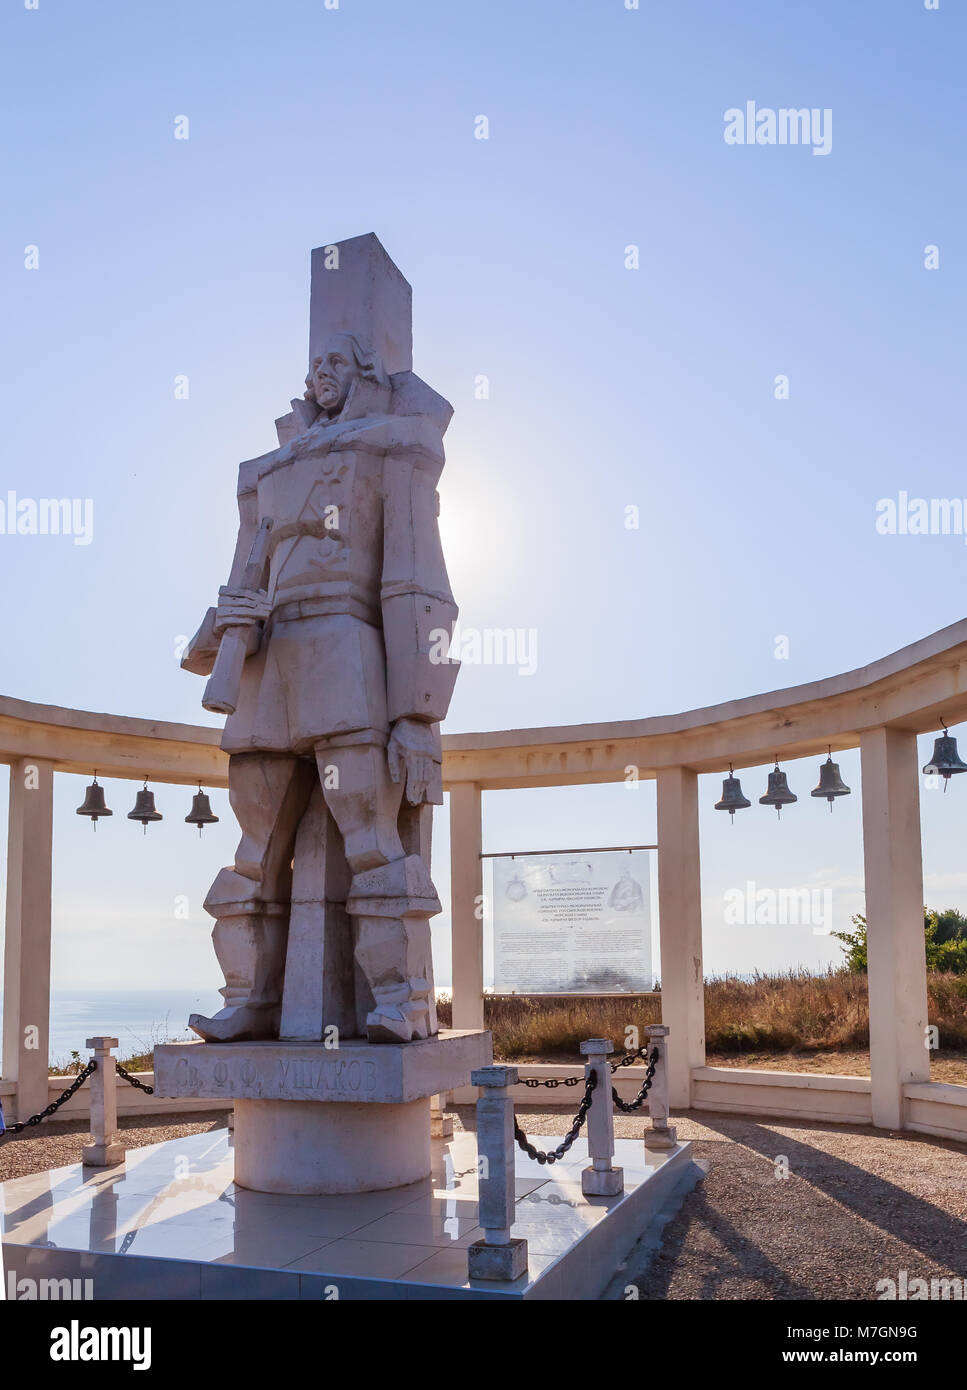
333, 735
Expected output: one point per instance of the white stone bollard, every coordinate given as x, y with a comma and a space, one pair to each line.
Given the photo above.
662, 1135
497, 1256
441, 1124
105, 1148
601, 1179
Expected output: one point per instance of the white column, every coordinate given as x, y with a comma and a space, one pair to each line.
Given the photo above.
466, 890
897, 977
26, 957
601, 1179
105, 1148
680, 913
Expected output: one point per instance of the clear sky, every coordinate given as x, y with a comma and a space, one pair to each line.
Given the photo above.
609, 387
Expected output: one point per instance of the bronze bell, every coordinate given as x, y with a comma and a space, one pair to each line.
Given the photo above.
94, 803
777, 792
830, 782
201, 811
144, 808
945, 760
732, 798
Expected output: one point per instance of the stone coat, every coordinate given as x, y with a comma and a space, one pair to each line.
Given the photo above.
357, 581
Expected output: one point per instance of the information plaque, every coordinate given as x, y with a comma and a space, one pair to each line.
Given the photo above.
573, 923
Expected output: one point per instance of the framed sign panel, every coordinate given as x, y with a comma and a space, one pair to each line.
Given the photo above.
574, 923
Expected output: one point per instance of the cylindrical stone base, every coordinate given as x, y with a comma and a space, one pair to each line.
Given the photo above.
305, 1146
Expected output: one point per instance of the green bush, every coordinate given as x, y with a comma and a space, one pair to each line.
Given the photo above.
945, 942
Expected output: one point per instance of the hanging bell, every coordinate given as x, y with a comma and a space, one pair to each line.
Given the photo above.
201, 811
830, 783
777, 793
94, 803
945, 760
732, 798
144, 808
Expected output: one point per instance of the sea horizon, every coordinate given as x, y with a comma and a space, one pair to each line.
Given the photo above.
138, 1018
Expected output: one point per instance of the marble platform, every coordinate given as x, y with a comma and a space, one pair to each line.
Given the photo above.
169, 1223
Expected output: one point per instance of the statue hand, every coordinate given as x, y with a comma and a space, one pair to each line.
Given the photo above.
240, 608
413, 756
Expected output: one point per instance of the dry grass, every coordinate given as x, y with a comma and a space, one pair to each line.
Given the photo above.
554, 1029
799, 1012
769, 1014
787, 1013
794, 1012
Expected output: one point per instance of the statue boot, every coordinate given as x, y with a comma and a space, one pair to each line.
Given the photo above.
401, 1014
250, 940
391, 906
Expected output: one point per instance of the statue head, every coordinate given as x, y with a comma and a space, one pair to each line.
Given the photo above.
334, 372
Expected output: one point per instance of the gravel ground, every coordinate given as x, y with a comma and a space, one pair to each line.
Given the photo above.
859, 1205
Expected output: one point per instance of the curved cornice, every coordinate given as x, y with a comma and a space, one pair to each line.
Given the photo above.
909, 689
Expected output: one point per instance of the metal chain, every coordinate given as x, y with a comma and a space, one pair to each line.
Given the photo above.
630, 1058
56, 1104
569, 1138
551, 1081
133, 1080
628, 1106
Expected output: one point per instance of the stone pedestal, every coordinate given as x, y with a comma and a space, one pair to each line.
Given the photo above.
301, 1146
314, 1119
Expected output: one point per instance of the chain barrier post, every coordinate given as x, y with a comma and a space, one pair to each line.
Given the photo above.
601, 1179
105, 1148
662, 1135
497, 1256
441, 1124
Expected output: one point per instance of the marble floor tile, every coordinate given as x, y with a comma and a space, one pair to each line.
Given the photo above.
422, 1228
368, 1258
266, 1249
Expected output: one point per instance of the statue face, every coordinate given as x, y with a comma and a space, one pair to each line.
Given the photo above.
332, 374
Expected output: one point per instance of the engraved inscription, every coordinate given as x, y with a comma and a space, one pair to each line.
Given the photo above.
354, 1077
325, 1074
